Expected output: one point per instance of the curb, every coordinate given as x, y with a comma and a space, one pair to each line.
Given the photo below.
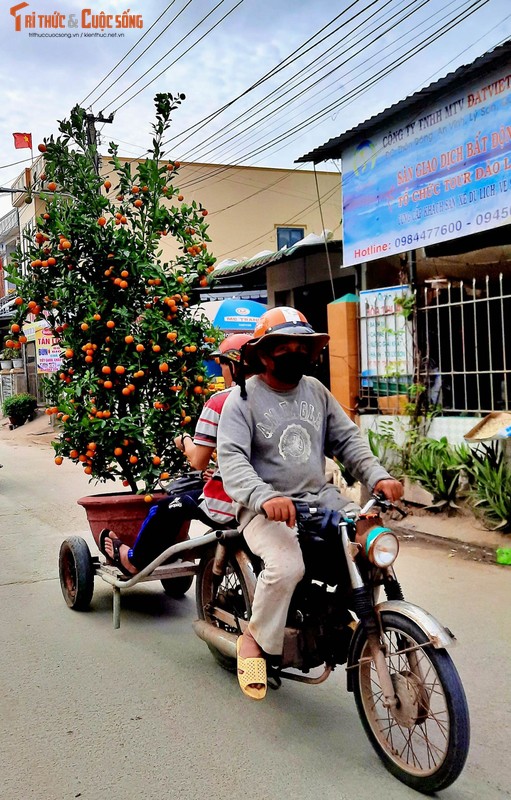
475, 552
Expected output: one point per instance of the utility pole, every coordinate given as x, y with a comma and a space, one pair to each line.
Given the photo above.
92, 139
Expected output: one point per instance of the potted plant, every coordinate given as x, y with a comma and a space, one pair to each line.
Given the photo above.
19, 408
6, 357
132, 374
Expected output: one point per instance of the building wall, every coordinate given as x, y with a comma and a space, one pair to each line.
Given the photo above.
245, 204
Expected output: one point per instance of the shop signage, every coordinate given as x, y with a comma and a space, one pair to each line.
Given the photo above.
438, 175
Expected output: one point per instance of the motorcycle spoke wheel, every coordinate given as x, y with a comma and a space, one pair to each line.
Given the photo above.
231, 595
424, 740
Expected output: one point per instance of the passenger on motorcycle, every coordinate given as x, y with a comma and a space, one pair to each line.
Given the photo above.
274, 434
210, 503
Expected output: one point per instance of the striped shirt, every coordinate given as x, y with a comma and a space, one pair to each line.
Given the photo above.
217, 504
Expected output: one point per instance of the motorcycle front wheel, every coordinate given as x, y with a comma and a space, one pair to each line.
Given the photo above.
423, 741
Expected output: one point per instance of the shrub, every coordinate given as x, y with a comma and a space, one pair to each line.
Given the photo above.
384, 446
438, 467
132, 373
20, 406
490, 489
8, 353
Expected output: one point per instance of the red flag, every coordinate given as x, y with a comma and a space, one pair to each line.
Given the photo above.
22, 140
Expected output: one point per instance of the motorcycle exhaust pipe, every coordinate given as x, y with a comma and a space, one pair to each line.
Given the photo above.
223, 641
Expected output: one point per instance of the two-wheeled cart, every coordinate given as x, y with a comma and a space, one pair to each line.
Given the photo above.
175, 568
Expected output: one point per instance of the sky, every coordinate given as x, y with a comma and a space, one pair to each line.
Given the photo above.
294, 73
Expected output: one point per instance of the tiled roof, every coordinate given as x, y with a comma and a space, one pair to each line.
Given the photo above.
266, 260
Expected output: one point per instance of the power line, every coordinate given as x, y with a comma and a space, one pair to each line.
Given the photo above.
286, 62
258, 108
189, 47
315, 119
289, 221
15, 163
298, 129
129, 53
325, 110
310, 122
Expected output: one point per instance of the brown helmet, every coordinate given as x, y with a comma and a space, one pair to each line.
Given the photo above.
283, 322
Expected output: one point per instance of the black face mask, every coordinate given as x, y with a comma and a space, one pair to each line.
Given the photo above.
290, 367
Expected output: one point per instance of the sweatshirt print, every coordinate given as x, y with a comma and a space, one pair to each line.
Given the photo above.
274, 444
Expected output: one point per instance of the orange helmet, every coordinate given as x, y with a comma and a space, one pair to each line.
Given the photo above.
286, 322
229, 348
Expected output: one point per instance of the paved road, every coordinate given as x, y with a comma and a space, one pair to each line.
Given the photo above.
144, 712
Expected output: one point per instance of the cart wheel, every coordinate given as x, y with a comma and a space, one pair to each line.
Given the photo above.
176, 587
76, 573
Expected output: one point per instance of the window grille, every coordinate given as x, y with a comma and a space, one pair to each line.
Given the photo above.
461, 349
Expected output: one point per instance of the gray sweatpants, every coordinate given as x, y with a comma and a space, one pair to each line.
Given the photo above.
278, 547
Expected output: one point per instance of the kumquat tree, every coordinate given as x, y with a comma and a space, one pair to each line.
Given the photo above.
133, 373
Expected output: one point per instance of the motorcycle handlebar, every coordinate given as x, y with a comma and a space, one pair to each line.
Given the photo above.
304, 511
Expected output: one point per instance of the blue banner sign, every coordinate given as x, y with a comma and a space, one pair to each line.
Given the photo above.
238, 315
442, 174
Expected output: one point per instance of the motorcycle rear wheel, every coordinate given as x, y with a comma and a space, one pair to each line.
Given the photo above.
232, 595
424, 741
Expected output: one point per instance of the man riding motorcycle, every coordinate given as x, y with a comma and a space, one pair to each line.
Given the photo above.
273, 436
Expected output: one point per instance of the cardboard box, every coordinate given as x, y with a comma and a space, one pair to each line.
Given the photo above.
393, 403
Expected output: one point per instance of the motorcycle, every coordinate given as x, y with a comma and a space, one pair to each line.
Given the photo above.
407, 691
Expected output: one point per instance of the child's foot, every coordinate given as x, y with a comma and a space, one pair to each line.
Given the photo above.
116, 552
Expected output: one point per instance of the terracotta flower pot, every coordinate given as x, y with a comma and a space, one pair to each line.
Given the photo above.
118, 511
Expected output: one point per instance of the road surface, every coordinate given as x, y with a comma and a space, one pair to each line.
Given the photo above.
144, 711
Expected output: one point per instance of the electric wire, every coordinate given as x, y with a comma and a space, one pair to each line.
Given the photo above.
334, 162
15, 163
128, 52
286, 62
283, 64
188, 49
328, 108
258, 108
327, 252
292, 220
431, 77
318, 116
316, 119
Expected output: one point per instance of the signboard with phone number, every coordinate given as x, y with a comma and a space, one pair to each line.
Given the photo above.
445, 173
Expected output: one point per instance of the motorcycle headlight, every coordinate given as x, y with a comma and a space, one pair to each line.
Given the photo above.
381, 547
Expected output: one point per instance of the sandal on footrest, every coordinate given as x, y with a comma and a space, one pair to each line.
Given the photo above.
251, 671
116, 543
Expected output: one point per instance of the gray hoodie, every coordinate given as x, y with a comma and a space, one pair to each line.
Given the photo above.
273, 444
